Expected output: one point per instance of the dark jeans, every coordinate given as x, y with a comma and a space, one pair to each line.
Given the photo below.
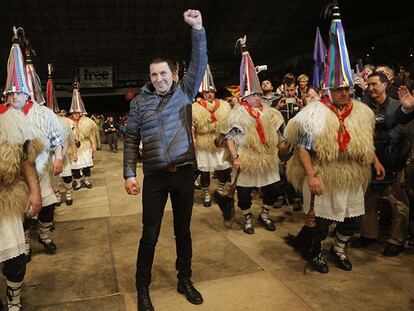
112, 140
156, 187
14, 269
222, 176
348, 227
244, 195
398, 200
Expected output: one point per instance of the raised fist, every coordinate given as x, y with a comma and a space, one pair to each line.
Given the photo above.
193, 18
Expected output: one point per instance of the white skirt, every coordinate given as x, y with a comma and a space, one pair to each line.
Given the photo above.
84, 160
46, 189
211, 161
67, 167
335, 206
257, 180
11, 237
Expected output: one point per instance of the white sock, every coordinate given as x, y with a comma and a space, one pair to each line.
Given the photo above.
206, 194
247, 217
220, 187
27, 240
265, 212
340, 244
45, 228
13, 295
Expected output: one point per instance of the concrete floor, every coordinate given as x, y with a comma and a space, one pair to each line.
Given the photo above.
94, 268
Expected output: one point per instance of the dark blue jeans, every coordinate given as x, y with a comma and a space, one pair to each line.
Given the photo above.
156, 187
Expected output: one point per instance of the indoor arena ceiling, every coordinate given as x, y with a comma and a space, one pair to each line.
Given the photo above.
125, 34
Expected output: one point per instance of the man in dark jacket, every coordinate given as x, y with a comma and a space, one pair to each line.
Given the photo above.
160, 117
111, 129
391, 148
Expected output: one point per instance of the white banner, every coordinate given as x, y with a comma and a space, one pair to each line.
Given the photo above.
95, 77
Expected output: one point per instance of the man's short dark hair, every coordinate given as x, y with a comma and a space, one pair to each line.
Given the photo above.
172, 65
266, 80
382, 77
289, 82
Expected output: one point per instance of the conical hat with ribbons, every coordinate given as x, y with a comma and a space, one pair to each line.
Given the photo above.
249, 82
77, 103
16, 81
207, 84
51, 100
338, 69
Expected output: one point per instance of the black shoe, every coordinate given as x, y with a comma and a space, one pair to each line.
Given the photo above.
363, 242
69, 202
319, 264
86, 184
267, 223
76, 186
248, 229
48, 245
341, 260
185, 287
392, 250
144, 299
59, 203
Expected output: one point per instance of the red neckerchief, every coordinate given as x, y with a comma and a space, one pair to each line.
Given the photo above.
203, 103
72, 117
27, 107
256, 115
343, 134
3, 108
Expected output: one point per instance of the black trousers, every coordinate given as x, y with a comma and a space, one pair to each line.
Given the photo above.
244, 195
156, 187
112, 140
222, 176
348, 227
86, 171
14, 269
47, 213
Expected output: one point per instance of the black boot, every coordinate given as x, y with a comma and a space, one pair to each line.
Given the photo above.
319, 264
247, 226
185, 287
86, 183
338, 251
144, 299
48, 245
341, 260
267, 223
45, 229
